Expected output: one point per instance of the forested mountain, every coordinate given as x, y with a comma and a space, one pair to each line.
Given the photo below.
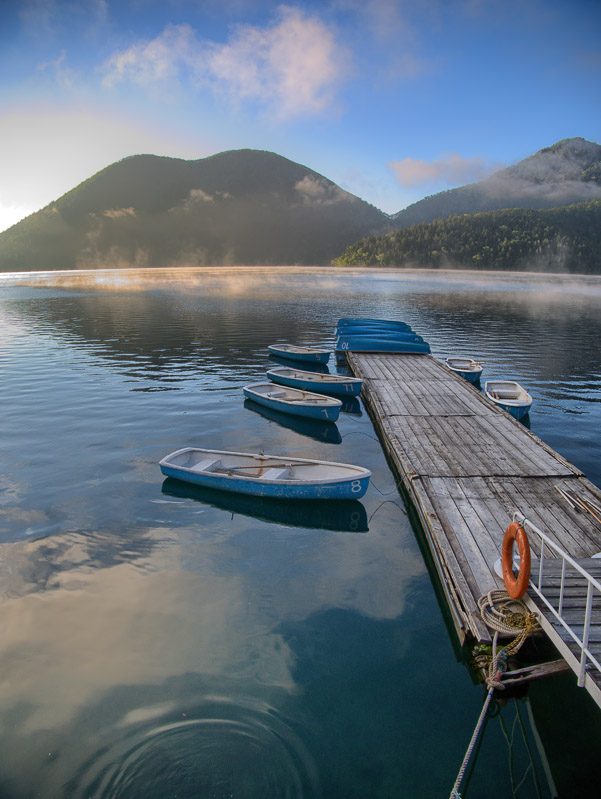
564, 239
566, 173
256, 207
237, 207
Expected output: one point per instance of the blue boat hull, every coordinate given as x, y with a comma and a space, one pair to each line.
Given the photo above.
338, 489
367, 322
517, 412
370, 344
471, 377
305, 357
371, 330
400, 335
329, 414
344, 389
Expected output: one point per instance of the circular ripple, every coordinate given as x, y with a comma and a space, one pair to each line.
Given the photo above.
236, 752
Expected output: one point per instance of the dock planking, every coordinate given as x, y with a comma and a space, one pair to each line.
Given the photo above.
467, 467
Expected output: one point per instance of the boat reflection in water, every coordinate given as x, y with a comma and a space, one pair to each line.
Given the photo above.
313, 428
350, 405
342, 515
307, 366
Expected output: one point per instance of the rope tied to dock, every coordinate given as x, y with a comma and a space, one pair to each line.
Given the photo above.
504, 621
497, 613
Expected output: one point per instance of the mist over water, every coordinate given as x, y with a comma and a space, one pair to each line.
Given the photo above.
161, 641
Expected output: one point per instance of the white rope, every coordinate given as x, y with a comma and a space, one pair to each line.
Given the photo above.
455, 792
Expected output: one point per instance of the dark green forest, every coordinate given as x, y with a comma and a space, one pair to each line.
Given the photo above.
566, 239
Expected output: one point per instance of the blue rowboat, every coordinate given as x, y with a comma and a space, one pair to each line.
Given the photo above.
466, 368
510, 396
294, 353
294, 400
313, 381
396, 335
361, 330
266, 475
373, 344
358, 322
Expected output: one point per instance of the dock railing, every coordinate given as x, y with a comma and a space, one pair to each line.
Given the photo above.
537, 585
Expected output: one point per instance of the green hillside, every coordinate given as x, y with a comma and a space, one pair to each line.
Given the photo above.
237, 207
568, 172
564, 239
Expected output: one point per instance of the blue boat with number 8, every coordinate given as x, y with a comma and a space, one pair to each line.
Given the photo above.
266, 475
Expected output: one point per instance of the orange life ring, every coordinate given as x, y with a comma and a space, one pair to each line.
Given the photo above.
516, 587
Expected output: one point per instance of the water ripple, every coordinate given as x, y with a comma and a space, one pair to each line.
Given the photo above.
220, 750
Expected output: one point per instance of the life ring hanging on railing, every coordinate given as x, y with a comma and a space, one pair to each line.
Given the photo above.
516, 587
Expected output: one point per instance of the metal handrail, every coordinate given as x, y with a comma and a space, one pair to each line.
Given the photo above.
537, 587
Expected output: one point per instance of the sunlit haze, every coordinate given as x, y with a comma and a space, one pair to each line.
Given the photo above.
393, 101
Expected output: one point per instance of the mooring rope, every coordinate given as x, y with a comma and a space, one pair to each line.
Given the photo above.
455, 792
505, 621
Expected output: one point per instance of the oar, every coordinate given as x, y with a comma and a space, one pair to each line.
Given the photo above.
579, 501
233, 469
567, 499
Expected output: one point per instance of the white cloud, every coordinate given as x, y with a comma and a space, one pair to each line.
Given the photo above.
292, 67
63, 74
118, 213
154, 61
449, 169
295, 65
317, 192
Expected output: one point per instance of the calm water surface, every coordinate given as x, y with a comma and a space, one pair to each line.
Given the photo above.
159, 641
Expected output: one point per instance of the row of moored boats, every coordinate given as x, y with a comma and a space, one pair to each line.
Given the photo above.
315, 395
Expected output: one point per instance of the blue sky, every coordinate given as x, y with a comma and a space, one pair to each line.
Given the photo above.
391, 99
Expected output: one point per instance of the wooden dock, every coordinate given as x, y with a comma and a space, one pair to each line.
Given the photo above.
467, 467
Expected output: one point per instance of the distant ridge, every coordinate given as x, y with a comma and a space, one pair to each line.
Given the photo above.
256, 207
567, 172
236, 207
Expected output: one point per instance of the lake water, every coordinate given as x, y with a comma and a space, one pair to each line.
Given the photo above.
162, 642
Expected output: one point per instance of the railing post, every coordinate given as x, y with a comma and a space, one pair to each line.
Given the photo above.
587, 627
563, 582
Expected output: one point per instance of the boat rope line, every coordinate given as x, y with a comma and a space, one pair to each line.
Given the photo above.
397, 487
472, 744
504, 621
359, 433
384, 502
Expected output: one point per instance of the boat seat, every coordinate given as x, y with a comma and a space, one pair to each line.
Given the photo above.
276, 473
507, 394
207, 465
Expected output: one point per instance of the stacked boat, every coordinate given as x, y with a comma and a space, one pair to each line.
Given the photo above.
365, 334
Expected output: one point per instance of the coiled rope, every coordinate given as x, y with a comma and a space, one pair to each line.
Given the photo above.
503, 620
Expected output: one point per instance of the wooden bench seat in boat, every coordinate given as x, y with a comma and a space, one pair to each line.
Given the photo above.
207, 465
276, 473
